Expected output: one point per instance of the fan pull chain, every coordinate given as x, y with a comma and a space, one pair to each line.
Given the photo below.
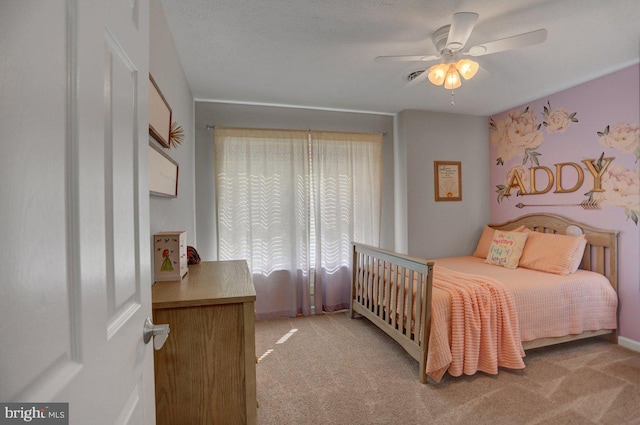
452, 102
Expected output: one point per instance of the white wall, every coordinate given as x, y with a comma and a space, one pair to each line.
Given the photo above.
173, 213
443, 229
258, 116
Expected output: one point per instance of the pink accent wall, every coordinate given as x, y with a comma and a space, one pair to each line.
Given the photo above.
580, 123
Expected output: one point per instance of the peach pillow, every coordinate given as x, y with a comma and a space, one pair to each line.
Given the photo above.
482, 249
553, 253
506, 248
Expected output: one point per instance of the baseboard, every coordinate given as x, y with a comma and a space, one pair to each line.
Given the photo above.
629, 343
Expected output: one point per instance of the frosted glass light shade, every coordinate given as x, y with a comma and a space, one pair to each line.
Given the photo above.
452, 79
437, 73
467, 68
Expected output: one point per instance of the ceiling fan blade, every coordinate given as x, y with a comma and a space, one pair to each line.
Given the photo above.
514, 42
460, 30
418, 79
417, 58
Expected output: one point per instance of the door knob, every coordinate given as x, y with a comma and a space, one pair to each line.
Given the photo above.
159, 333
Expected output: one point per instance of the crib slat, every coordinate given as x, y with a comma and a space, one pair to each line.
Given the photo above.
409, 307
379, 287
372, 282
394, 297
387, 290
600, 260
586, 258
363, 282
401, 288
418, 302
363, 265
368, 284
374, 287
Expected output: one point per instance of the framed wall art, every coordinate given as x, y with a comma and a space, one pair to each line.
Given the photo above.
159, 114
163, 173
448, 180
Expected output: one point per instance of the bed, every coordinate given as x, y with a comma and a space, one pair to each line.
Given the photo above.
410, 299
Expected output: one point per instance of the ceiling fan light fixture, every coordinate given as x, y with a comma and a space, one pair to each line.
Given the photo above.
450, 41
449, 73
452, 79
467, 68
437, 73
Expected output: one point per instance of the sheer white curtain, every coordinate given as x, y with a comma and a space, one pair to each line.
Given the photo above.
263, 213
290, 203
346, 178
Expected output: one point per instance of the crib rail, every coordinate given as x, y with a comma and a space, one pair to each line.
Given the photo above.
394, 292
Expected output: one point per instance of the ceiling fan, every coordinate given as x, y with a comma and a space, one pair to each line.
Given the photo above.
450, 42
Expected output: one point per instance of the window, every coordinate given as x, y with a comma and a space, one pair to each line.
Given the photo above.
290, 203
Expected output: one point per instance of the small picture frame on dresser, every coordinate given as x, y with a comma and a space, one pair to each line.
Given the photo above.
170, 255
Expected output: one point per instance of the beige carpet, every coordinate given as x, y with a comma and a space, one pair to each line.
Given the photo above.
334, 370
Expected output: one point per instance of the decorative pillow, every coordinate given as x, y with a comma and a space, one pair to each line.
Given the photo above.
482, 249
553, 253
506, 248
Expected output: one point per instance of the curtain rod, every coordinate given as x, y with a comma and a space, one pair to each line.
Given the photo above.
212, 127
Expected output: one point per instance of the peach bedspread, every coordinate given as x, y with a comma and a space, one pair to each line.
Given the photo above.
550, 305
546, 305
474, 325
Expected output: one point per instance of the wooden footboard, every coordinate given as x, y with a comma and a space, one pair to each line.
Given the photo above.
394, 292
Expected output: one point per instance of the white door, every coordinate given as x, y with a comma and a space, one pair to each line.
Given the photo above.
75, 251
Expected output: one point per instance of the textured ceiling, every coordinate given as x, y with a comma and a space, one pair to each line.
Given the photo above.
319, 53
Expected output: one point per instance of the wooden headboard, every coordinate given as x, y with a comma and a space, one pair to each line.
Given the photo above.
601, 252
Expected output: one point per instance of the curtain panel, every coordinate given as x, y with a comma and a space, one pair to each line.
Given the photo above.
346, 191
290, 203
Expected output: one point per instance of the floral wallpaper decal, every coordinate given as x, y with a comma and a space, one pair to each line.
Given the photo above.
620, 188
623, 137
518, 134
621, 185
557, 120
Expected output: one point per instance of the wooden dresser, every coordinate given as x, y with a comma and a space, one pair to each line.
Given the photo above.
206, 371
